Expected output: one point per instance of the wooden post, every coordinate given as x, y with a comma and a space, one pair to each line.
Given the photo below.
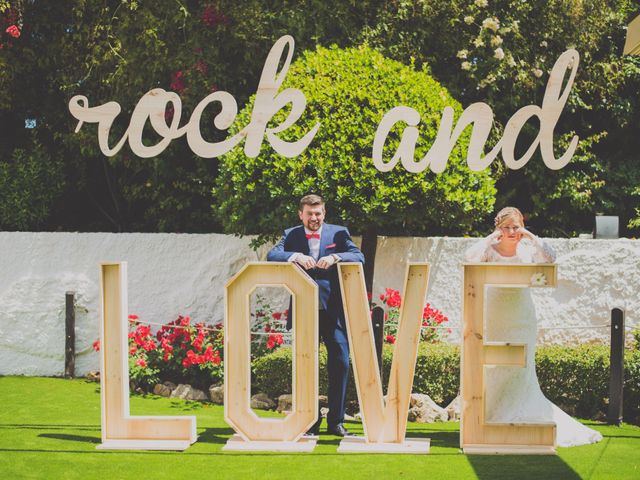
616, 375
70, 335
377, 321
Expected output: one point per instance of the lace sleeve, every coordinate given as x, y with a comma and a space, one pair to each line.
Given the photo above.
543, 252
479, 252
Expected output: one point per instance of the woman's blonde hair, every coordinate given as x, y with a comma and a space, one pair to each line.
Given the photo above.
506, 214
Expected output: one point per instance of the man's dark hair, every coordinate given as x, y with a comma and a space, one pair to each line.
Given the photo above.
311, 200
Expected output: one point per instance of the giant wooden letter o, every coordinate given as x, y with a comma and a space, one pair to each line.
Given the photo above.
237, 350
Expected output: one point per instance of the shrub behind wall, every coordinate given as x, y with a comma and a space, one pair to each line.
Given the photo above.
575, 378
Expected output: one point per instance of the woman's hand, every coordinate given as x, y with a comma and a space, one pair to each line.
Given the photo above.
524, 233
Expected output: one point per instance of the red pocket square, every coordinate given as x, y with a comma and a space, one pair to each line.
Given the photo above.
331, 246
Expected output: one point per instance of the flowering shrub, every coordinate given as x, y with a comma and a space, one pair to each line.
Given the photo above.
431, 319
10, 24
179, 351
268, 326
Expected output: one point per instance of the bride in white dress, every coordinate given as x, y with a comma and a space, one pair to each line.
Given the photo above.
513, 393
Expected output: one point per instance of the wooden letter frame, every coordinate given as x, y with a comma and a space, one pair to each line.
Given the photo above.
385, 424
477, 436
120, 430
271, 434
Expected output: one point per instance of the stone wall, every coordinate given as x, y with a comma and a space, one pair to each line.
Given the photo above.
171, 274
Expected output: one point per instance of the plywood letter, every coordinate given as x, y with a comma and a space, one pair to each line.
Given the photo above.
270, 433
476, 434
121, 431
385, 425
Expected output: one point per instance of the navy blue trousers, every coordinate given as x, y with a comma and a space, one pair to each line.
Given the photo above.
337, 343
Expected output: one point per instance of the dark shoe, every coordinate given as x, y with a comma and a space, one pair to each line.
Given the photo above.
339, 431
315, 428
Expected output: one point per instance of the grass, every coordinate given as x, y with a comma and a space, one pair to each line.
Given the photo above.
49, 428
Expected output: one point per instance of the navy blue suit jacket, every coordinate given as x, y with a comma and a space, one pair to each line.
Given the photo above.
334, 239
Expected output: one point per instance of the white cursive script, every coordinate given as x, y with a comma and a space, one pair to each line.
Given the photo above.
481, 116
152, 106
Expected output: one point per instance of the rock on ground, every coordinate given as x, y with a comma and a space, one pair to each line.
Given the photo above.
187, 392
261, 401
216, 393
424, 410
453, 409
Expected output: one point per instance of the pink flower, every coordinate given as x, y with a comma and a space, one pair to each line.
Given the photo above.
13, 30
96, 345
141, 362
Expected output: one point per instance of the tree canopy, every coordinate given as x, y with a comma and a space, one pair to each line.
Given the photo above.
495, 51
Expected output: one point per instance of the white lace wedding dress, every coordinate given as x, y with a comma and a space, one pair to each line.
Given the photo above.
513, 393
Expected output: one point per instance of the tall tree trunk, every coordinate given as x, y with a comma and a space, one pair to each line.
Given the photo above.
369, 246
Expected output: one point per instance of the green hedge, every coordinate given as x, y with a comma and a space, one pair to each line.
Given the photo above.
575, 378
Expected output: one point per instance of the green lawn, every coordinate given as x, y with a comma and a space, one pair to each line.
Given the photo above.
49, 428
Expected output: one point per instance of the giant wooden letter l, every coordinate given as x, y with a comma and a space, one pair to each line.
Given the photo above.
121, 431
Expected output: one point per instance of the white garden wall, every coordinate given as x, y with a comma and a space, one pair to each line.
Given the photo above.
171, 274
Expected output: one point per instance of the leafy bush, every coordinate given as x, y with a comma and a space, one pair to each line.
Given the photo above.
575, 378
30, 181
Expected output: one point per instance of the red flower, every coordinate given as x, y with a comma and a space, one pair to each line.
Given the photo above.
390, 339
133, 349
277, 315
271, 342
143, 330
184, 321
391, 297
141, 362
13, 30
186, 362
208, 353
201, 67
177, 84
267, 328
168, 114
96, 345
133, 317
369, 295
212, 17
197, 343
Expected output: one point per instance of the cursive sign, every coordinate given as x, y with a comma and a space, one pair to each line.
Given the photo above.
269, 101
152, 106
481, 116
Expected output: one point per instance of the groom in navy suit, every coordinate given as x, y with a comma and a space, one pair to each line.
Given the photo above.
317, 246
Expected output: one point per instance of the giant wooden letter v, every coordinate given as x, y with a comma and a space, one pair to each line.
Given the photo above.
384, 424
